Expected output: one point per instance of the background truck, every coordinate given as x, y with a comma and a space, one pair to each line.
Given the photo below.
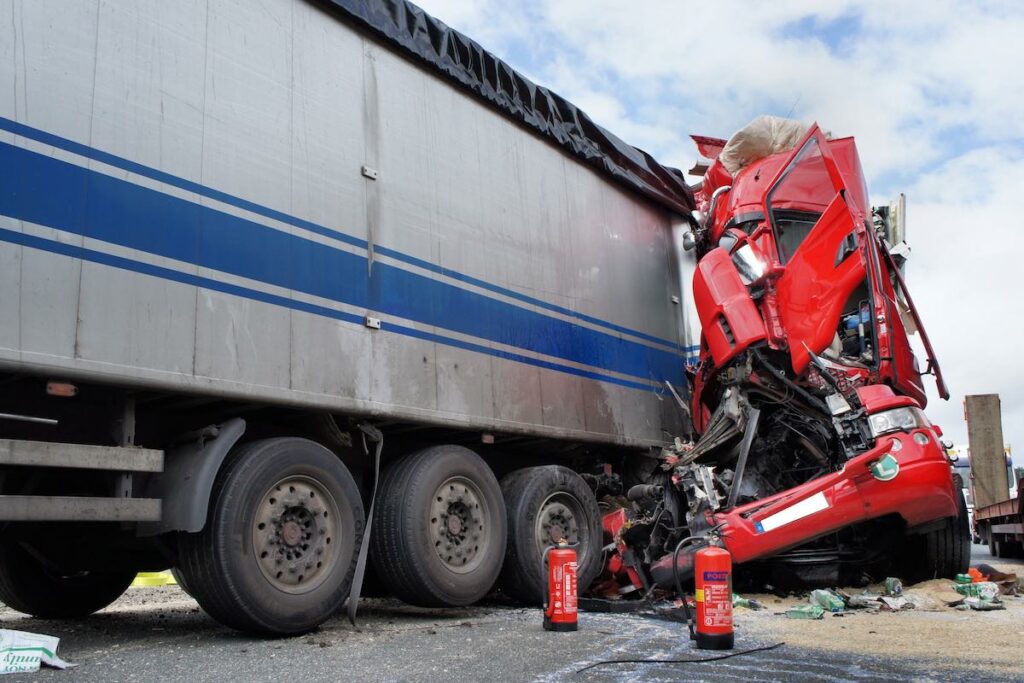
241, 244
998, 515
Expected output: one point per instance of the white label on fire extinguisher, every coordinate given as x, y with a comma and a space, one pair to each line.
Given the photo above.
569, 588
717, 604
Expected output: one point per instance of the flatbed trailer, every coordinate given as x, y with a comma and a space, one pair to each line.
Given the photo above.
1001, 526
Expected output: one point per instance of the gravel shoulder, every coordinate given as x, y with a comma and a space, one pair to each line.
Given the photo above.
967, 641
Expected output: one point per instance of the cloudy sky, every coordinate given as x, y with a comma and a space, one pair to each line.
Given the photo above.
933, 91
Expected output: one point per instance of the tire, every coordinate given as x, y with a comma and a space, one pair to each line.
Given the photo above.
541, 503
946, 551
28, 585
995, 548
279, 548
439, 528
182, 582
1011, 549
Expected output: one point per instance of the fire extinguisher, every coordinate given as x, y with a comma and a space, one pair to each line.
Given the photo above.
713, 582
559, 564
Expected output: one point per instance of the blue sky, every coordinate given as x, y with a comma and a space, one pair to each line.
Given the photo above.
933, 91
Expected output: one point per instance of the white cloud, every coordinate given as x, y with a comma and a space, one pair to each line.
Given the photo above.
932, 90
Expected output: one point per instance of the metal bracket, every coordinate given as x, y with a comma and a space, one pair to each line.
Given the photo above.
368, 172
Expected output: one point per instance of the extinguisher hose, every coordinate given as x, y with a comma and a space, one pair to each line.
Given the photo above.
679, 583
695, 660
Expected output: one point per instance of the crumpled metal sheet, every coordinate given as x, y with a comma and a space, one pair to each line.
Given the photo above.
414, 33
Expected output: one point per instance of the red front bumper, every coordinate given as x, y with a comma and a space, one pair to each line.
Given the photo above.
921, 491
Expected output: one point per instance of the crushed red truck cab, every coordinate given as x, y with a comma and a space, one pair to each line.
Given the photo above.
811, 453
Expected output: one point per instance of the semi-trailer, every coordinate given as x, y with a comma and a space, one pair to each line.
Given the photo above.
298, 291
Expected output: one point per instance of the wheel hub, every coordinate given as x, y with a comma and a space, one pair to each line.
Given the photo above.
457, 527
291, 533
557, 521
294, 535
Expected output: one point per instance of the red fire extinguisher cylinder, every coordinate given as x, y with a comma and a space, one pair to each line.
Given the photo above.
713, 580
560, 600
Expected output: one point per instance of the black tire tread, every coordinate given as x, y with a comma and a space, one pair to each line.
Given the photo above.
402, 571
24, 588
206, 573
521, 576
946, 551
198, 561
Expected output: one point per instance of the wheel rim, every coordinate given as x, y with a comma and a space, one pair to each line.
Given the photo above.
296, 534
458, 525
559, 517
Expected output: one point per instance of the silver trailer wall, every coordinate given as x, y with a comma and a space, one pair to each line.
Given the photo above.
213, 195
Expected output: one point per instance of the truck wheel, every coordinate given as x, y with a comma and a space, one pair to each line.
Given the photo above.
546, 504
439, 529
278, 551
946, 551
30, 586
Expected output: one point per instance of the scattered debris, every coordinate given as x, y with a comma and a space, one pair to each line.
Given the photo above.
983, 605
1008, 583
23, 652
891, 604
986, 590
828, 599
738, 601
893, 586
863, 601
806, 612
935, 594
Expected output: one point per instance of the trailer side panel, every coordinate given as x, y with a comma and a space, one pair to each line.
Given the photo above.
209, 198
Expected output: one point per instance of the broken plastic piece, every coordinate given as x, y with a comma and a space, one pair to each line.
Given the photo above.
986, 590
983, 605
827, 599
749, 603
861, 601
806, 612
891, 604
23, 652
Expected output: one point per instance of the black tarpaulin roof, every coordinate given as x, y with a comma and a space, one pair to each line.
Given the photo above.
414, 33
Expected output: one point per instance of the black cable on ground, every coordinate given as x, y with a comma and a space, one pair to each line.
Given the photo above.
679, 584
681, 661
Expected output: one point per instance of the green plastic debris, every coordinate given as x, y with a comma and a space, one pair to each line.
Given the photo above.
806, 612
986, 590
963, 578
893, 586
827, 599
749, 603
983, 604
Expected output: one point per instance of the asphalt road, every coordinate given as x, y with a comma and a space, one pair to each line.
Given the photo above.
159, 634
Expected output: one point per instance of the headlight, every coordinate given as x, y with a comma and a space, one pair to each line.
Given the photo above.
896, 420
